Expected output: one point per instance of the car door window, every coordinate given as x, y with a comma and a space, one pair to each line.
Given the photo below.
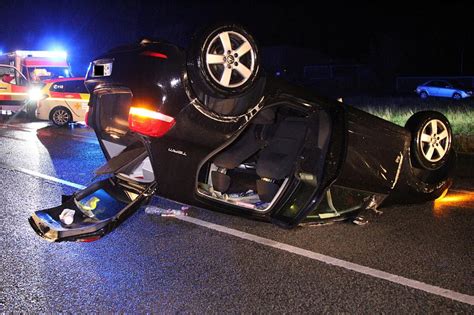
437, 84
10, 75
82, 87
445, 89
76, 86
79, 87
443, 84
70, 87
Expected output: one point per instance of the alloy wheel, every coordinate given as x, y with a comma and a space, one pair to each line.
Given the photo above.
60, 117
230, 59
434, 140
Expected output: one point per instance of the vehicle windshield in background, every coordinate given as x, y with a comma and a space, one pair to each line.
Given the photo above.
37, 74
11, 76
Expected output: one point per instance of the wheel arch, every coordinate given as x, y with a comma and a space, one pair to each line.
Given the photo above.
460, 93
425, 91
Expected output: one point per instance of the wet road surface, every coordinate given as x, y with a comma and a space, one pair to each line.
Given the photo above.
154, 264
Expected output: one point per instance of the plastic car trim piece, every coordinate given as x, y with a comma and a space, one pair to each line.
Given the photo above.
228, 119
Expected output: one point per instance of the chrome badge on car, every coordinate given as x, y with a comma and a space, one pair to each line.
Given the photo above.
177, 152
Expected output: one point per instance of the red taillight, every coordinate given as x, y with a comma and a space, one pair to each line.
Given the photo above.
148, 122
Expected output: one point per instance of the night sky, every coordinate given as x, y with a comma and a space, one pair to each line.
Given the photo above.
414, 39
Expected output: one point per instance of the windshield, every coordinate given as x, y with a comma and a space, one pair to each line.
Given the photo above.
38, 74
10, 75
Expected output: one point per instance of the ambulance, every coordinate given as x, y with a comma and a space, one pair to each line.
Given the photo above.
21, 69
63, 101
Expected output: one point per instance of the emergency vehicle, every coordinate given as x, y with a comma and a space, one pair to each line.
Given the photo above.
13, 89
22, 68
63, 101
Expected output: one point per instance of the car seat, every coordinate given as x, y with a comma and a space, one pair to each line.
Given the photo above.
7, 78
278, 157
250, 142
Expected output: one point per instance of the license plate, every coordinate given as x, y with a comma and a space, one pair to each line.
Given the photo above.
102, 70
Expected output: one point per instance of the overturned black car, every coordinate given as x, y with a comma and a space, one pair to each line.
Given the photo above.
206, 127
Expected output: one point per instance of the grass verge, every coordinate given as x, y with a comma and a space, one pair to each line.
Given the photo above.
398, 109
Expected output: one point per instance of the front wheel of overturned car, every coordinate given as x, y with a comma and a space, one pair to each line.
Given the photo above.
431, 139
223, 61
60, 116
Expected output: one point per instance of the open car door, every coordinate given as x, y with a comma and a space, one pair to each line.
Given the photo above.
320, 162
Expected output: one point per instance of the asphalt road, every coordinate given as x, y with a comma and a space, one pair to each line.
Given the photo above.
167, 265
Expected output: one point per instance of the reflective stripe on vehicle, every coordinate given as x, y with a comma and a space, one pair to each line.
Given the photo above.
65, 95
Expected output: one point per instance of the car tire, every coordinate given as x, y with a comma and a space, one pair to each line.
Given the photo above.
223, 62
423, 95
60, 116
431, 139
457, 96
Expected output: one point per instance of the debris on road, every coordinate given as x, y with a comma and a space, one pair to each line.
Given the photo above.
154, 210
67, 216
360, 221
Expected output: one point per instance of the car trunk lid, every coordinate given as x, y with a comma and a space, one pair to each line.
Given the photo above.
92, 212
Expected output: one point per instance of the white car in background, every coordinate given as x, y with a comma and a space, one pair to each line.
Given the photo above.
61, 100
442, 88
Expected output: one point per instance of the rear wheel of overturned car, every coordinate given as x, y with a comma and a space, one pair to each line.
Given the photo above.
60, 116
431, 139
224, 61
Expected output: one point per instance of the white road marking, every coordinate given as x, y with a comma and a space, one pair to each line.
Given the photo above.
50, 178
453, 295
375, 273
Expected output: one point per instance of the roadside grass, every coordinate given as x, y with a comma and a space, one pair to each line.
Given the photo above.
398, 109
